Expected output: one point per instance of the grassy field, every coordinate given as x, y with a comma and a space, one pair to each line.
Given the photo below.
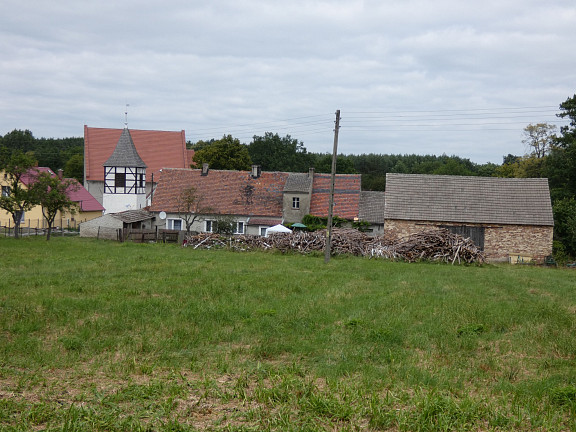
105, 336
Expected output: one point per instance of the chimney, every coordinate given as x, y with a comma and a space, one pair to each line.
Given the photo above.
60, 174
205, 169
255, 171
311, 172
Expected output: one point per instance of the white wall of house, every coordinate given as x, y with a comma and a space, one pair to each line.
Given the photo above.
206, 223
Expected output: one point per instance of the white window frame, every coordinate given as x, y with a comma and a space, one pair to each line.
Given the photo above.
170, 224
209, 225
296, 203
239, 227
6, 191
263, 231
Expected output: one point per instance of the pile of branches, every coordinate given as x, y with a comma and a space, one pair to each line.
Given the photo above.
435, 245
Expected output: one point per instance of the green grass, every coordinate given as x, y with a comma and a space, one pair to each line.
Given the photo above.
105, 336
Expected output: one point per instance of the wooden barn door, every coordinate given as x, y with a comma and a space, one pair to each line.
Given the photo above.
475, 233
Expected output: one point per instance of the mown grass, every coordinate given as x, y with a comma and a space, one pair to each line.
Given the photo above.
108, 336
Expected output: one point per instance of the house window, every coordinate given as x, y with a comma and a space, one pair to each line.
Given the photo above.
263, 231
296, 203
5, 191
210, 226
120, 180
141, 180
239, 228
174, 224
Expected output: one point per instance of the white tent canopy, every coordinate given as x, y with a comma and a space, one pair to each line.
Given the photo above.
278, 229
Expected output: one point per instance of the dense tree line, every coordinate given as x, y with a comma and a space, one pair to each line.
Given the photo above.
56, 153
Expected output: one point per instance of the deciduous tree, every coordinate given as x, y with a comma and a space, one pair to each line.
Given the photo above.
225, 154
274, 153
190, 206
52, 194
16, 197
540, 139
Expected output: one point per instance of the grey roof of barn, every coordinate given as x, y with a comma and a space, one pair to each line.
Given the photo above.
298, 182
125, 154
130, 216
460, 199
371, 206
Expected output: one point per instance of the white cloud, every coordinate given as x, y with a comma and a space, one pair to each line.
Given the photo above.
244, 67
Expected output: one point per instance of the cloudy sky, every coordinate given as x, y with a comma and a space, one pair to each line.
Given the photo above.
459, 77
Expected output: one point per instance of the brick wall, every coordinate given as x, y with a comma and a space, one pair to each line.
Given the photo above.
500, 241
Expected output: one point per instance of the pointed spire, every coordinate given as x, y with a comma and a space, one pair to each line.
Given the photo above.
125, 154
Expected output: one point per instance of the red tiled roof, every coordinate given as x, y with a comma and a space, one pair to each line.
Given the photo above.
85, 200
76, 192
158, 149
346, 195
33, 173
223, 192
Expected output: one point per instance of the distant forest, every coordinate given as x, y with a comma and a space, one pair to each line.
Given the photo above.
271, 152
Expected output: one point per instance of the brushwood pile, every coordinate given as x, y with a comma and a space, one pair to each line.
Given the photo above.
433, 245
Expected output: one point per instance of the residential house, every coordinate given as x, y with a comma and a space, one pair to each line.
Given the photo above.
87, 206
509, 218
157, 149
255, 200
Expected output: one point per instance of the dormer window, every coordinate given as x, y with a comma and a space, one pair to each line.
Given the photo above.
296, 203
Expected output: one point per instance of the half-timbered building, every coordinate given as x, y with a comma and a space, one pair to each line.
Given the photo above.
124, 177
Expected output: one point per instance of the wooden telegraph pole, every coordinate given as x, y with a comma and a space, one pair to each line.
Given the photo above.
328, 248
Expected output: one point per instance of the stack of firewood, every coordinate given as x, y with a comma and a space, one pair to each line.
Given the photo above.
434, 245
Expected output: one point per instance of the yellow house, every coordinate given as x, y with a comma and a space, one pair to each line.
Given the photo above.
87, 206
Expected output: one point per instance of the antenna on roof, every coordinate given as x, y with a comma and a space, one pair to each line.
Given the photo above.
126, 117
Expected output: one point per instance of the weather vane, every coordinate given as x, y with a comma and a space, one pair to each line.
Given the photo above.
126, 117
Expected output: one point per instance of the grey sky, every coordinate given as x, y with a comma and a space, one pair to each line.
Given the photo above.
427, 77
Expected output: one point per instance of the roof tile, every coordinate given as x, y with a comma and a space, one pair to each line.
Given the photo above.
467, 199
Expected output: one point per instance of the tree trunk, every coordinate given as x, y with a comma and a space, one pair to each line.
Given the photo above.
17, 217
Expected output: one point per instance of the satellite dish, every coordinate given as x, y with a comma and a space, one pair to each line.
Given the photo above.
162, 215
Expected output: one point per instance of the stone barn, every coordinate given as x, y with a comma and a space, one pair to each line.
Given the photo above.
509, 218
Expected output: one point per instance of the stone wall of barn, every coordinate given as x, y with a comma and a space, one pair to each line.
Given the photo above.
501, 242
104, 227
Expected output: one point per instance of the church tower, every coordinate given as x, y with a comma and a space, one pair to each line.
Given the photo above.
124, 177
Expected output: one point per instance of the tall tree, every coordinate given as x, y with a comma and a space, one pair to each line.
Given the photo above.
539, 139
53, 195
19, 140
74, 167
16, 197
225, 154
274, 153
560, 166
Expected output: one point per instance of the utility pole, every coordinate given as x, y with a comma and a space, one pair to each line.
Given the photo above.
328, 248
